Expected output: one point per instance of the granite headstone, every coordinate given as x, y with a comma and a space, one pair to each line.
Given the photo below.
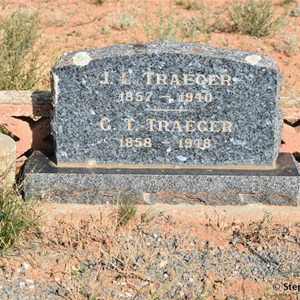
167, 122
166, 104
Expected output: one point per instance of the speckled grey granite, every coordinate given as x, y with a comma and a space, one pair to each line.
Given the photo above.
235, 105
280, 186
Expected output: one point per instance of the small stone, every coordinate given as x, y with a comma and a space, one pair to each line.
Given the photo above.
259, 248
29, 281
25, 265
163, 263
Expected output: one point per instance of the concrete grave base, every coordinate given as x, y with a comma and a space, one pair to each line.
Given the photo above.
279, 186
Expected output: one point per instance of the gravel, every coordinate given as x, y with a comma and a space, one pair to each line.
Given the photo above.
178, 269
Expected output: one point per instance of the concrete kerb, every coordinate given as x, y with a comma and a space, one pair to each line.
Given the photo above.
7, 161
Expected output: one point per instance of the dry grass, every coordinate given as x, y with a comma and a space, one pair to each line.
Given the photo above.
88, 253
16, 217
255, 17
266, 234
19, 68
117, 249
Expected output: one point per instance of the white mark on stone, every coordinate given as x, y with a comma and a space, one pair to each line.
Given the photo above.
81, 59
182, 158
253, 59
91, 162
235, 79
55, 83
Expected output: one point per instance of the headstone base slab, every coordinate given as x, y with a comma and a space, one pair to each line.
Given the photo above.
279, 186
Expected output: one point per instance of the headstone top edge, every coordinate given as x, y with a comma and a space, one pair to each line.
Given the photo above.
84, 57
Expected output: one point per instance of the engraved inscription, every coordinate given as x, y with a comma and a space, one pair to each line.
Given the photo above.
197, 143
174, 126
186, 79
105, 124
138, 97
181, 100
152, 78
138, 142
189, 126
190, 97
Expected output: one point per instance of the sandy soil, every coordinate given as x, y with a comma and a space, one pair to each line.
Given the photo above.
72, 235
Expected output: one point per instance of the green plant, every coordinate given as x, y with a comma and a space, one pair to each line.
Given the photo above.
18, 61
289, 45
166, 28
295, 12
254, 17
16, 217
286, 2
3, 4
5, 131
179, 2
123, 19
190, 4
206, 23
126, 210
100, 2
